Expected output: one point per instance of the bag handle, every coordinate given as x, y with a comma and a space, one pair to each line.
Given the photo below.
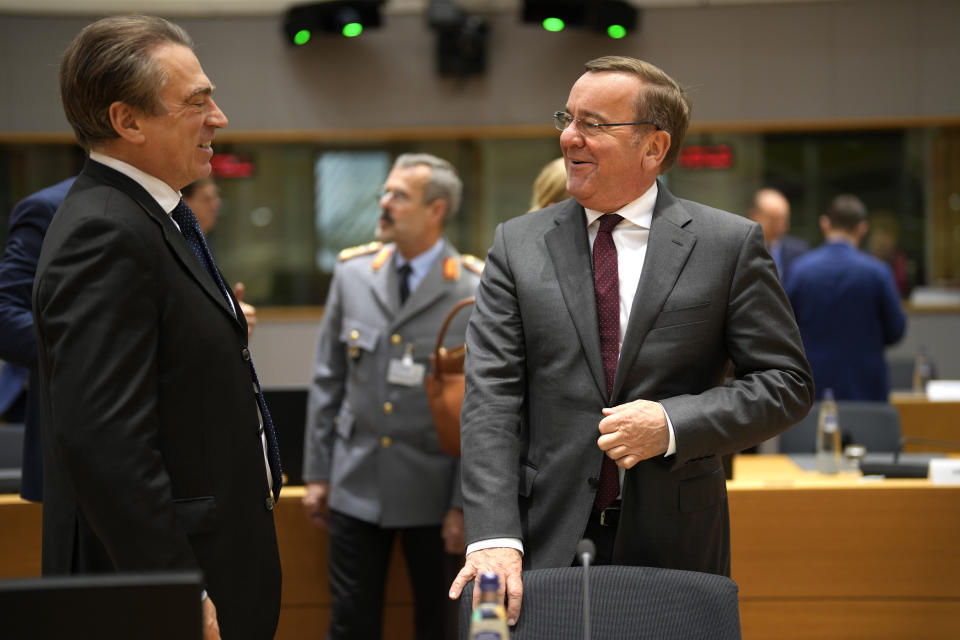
437, 360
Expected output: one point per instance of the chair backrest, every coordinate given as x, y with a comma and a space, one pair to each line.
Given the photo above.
11, 457
626, 603
875, 425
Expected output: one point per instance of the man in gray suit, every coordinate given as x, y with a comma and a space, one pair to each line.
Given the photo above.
595, 403
372, 462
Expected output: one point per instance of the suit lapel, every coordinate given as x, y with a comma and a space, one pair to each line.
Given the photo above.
668, 248
569, 250
385, 287
171, 235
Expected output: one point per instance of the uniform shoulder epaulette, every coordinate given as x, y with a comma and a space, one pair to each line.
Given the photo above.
473, 263
362, 250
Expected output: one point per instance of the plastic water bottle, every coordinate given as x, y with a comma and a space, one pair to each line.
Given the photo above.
828, 435
489, 620
921, 371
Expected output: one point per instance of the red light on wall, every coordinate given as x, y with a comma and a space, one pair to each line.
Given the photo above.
229, 165
709, 156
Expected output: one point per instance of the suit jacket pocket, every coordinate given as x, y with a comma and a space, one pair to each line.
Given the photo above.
701, 492
196, 515
357, 334
528, 473
692, 314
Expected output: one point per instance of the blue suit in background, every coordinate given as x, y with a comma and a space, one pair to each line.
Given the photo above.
785, 253
848, 311
28, 225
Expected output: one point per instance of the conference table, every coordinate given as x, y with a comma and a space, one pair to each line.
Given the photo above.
815, 557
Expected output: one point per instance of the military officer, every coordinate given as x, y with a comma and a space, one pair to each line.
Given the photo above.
372, 464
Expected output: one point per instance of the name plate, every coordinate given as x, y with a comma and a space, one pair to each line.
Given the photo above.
945, 471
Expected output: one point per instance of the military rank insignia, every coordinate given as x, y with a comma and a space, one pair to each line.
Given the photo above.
451, 269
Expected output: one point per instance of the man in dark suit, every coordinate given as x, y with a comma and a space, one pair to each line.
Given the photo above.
28, 224
847, 307
577, 375
771, 210
156, 438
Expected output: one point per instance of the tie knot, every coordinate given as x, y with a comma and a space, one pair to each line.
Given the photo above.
183, 216
404, 270
608, 221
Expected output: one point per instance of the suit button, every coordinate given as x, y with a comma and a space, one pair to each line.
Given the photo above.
385, 441
593, 482
388, 408
354, 334
268, 503
395, 339
245, 354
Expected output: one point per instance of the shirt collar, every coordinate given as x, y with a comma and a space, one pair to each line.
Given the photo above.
639, 212
159, 190
421, 263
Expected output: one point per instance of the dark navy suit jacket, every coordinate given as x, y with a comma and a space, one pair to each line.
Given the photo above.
848, 310
787, 253
28, 225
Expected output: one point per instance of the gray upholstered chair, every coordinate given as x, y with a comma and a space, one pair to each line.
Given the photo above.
875, 425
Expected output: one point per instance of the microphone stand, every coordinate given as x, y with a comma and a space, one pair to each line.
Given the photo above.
586, 550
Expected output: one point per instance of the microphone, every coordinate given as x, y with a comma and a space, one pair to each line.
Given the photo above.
906, 468
585, 553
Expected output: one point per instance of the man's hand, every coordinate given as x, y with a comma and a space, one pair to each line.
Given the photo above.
633, 432
249, 311
211, 630
454, 540
507, 564
315, 503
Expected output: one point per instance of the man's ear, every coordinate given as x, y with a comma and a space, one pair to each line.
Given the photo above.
126, 121
655, 149
438, 210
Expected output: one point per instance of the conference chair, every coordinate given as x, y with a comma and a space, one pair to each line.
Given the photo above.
875, 425
626, 603
11, 454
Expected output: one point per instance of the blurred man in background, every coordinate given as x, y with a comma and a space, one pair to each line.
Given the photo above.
771, 211
847, 307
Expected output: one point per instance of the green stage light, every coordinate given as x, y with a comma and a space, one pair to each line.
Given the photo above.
553, 24
352, 29
616, 31
301, 37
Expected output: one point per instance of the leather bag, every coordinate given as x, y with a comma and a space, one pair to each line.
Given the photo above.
445, 386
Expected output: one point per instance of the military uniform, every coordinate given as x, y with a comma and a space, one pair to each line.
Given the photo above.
369, 432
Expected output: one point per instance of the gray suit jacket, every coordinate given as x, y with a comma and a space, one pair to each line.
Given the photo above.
709, 294
374, 441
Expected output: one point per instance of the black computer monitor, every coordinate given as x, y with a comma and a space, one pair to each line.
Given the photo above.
146, 606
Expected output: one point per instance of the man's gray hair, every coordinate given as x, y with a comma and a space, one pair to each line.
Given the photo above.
443, 184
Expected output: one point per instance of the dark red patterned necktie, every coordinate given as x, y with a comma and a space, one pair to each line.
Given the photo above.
606, 286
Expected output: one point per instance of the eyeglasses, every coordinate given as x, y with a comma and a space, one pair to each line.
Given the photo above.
590, 126
400, 197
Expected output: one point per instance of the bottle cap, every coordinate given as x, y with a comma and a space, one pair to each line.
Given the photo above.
489, 581
828, 394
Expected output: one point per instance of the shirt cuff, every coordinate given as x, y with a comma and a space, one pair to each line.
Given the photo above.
492, 543
672, 445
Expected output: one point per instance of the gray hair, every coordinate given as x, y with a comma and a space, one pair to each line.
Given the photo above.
111, 60
443, 184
